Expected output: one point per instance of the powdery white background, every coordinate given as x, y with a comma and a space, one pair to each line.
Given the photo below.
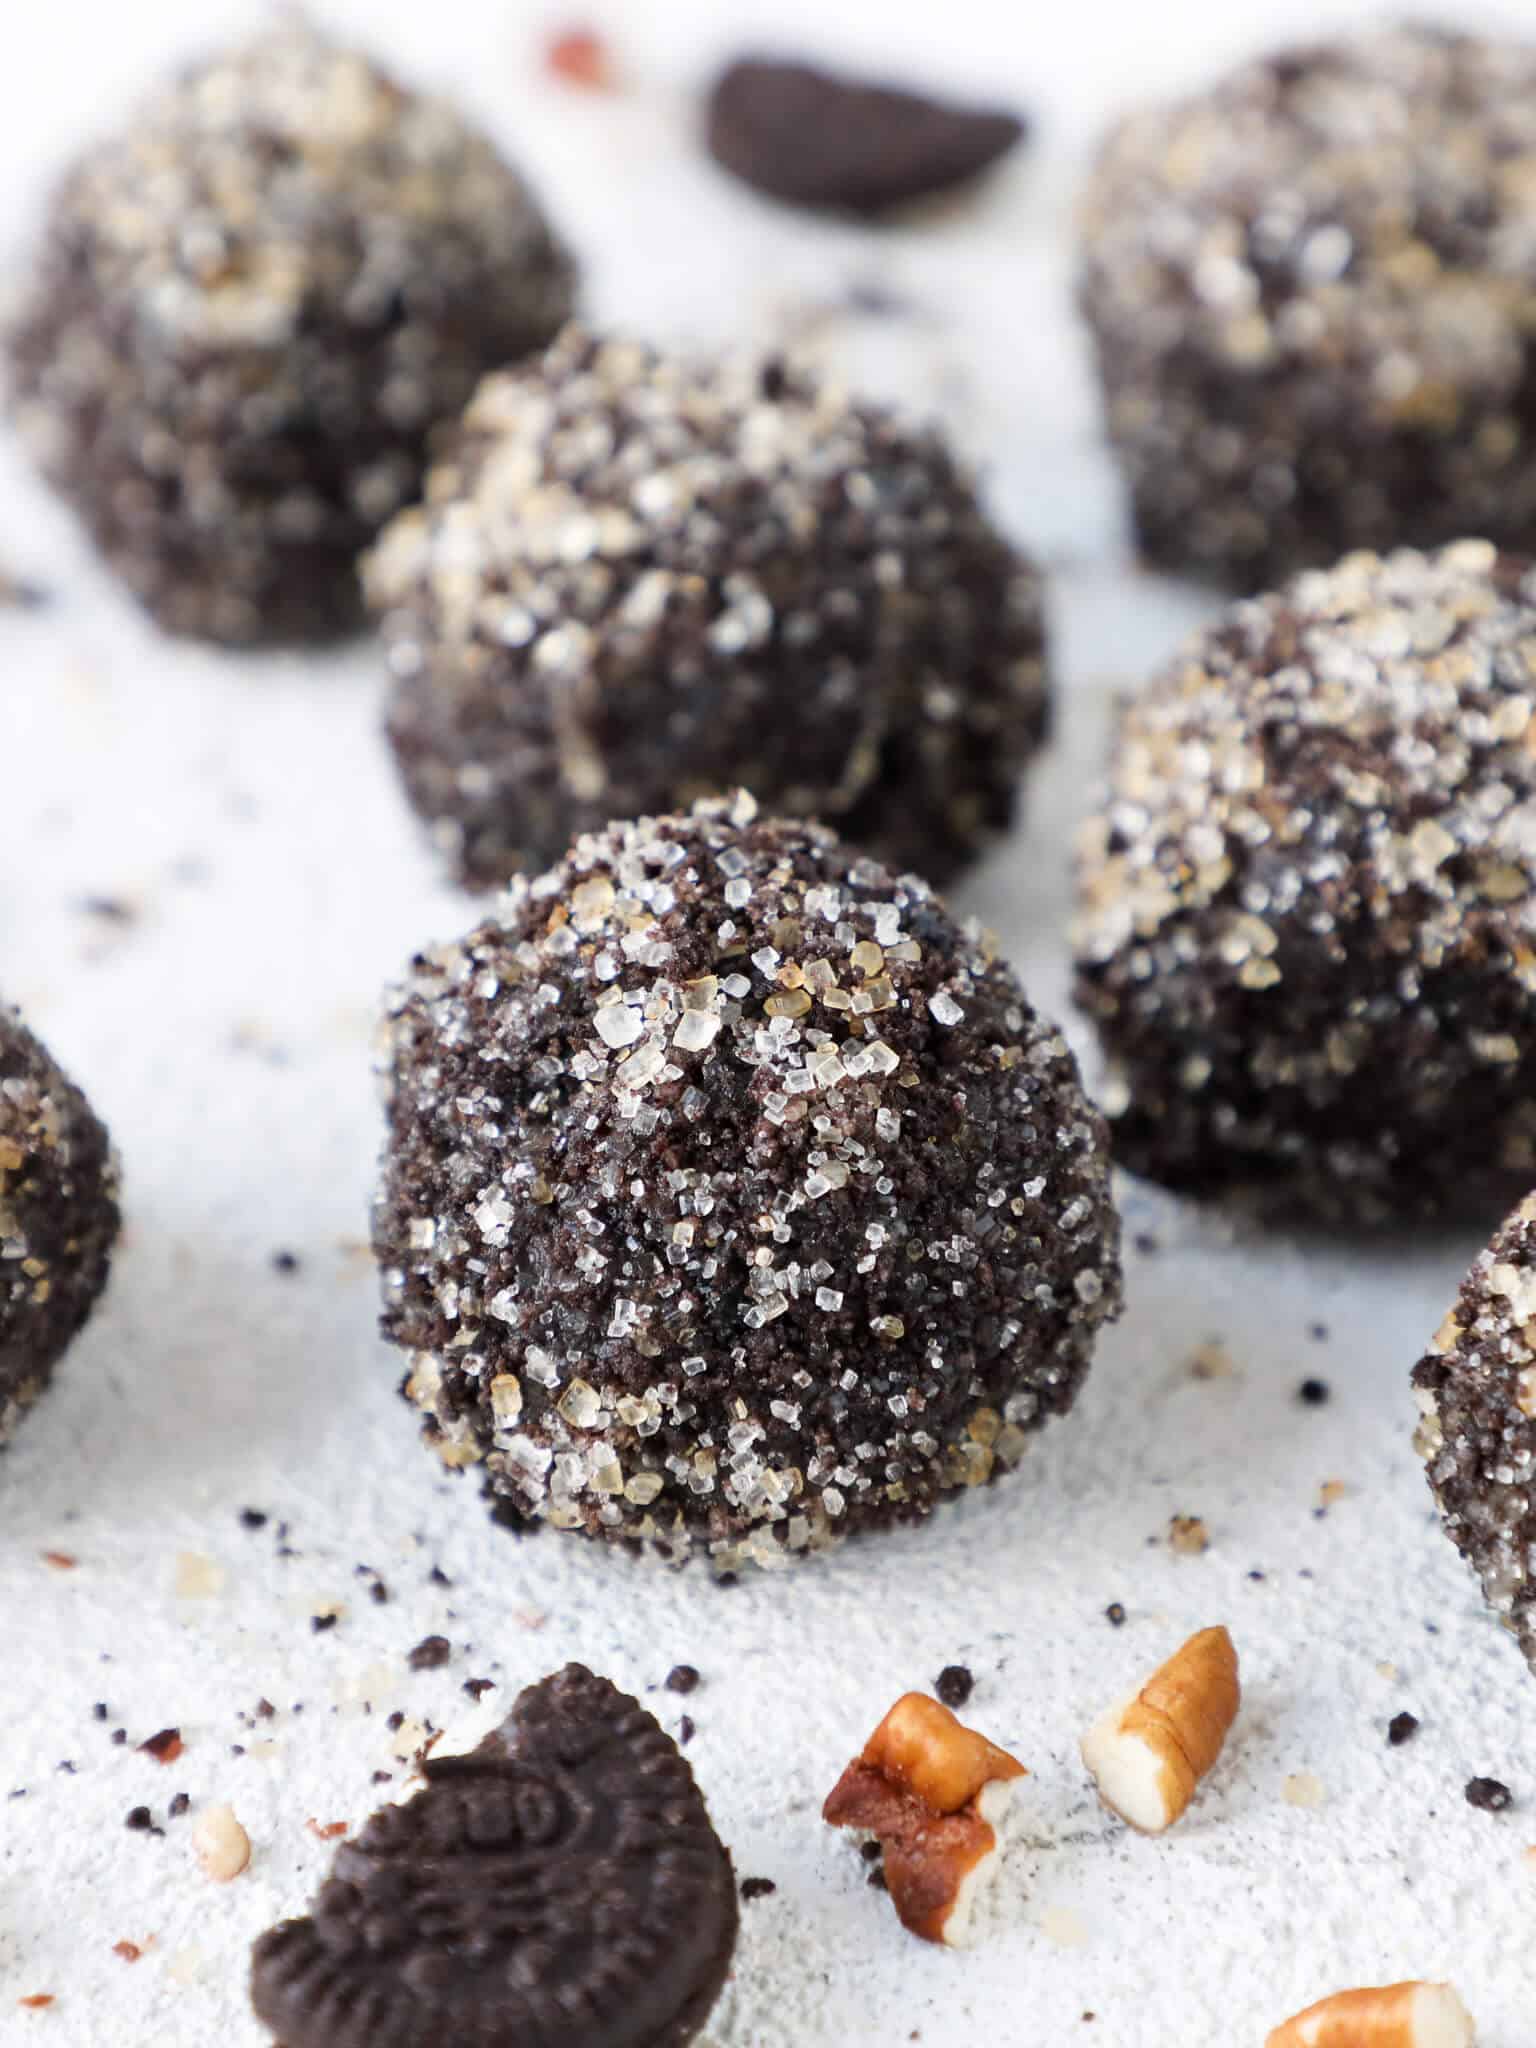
245, 811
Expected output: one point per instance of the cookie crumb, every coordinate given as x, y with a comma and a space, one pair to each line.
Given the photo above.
1114, 1614
164, 1747
1402, 1728
477, 1688
1489, 1795
220, 1843
1314, 1393
682, 1678
430, 1654
1304, 1788
757, 1887
128, 1950
1188, 1536
954, 1685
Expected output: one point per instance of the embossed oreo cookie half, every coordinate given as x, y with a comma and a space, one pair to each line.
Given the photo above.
559, 1884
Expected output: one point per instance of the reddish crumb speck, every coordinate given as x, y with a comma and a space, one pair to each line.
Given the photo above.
60, 1560
328, 1832
164, 1747
128, 1950
37, 2001
580, 57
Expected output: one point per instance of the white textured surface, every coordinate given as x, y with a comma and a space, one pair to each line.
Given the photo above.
246, 809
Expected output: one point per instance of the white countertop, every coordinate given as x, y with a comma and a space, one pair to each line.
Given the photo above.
245, 810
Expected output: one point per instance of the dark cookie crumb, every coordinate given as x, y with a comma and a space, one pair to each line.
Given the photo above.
686, 1730
285, 1262
682, 1678
101, 1711
1402, 1728
757, 1887
690, 574
321, 1623
871, 1851
876, 1877
164, 1747
1314, 1393
809, 1223
477, 1688
1489, 1795
179, 1805
811, 138
430, 1654
1114, 1614
253, 1518
141, 1821
954, 1685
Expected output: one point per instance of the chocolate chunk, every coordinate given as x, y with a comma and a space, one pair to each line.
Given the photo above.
954, 1685
140, 1819
757, 1887
1402, 1728
800, 1184
560, 1883
430, 1654
58, 1216
682, 1678
1488, 1795
815, 139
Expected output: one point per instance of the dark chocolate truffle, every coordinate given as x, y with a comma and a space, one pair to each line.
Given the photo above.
734, 1196
1477, 1393
814, 139
252, 308
561, 1883
1311, 291
1305, 905
640, 580
58, 1215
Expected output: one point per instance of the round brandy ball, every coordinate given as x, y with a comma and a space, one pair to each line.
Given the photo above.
735, 1198
638, 580
1310, 288
251, 309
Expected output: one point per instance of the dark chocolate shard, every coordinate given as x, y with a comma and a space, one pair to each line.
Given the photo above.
814, 139
559, 1884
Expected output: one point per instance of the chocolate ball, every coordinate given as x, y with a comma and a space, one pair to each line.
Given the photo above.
1305, 904
735, 1198
1477, 1393
251, 309
639, 580
1311, 290
58, 1215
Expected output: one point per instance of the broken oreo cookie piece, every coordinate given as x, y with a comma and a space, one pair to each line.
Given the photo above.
813, 139
561, 1882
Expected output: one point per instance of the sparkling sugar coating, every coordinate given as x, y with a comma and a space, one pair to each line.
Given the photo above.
1306, 915
251, 308
58, 1215
1312, 290
639, 579
734, 1227
1477, 1433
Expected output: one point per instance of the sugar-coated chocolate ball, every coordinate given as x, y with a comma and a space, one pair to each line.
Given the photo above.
1477, 1395
639, 579
1306, 901
58, 1215
251, 309
734, 1196
1311, 289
